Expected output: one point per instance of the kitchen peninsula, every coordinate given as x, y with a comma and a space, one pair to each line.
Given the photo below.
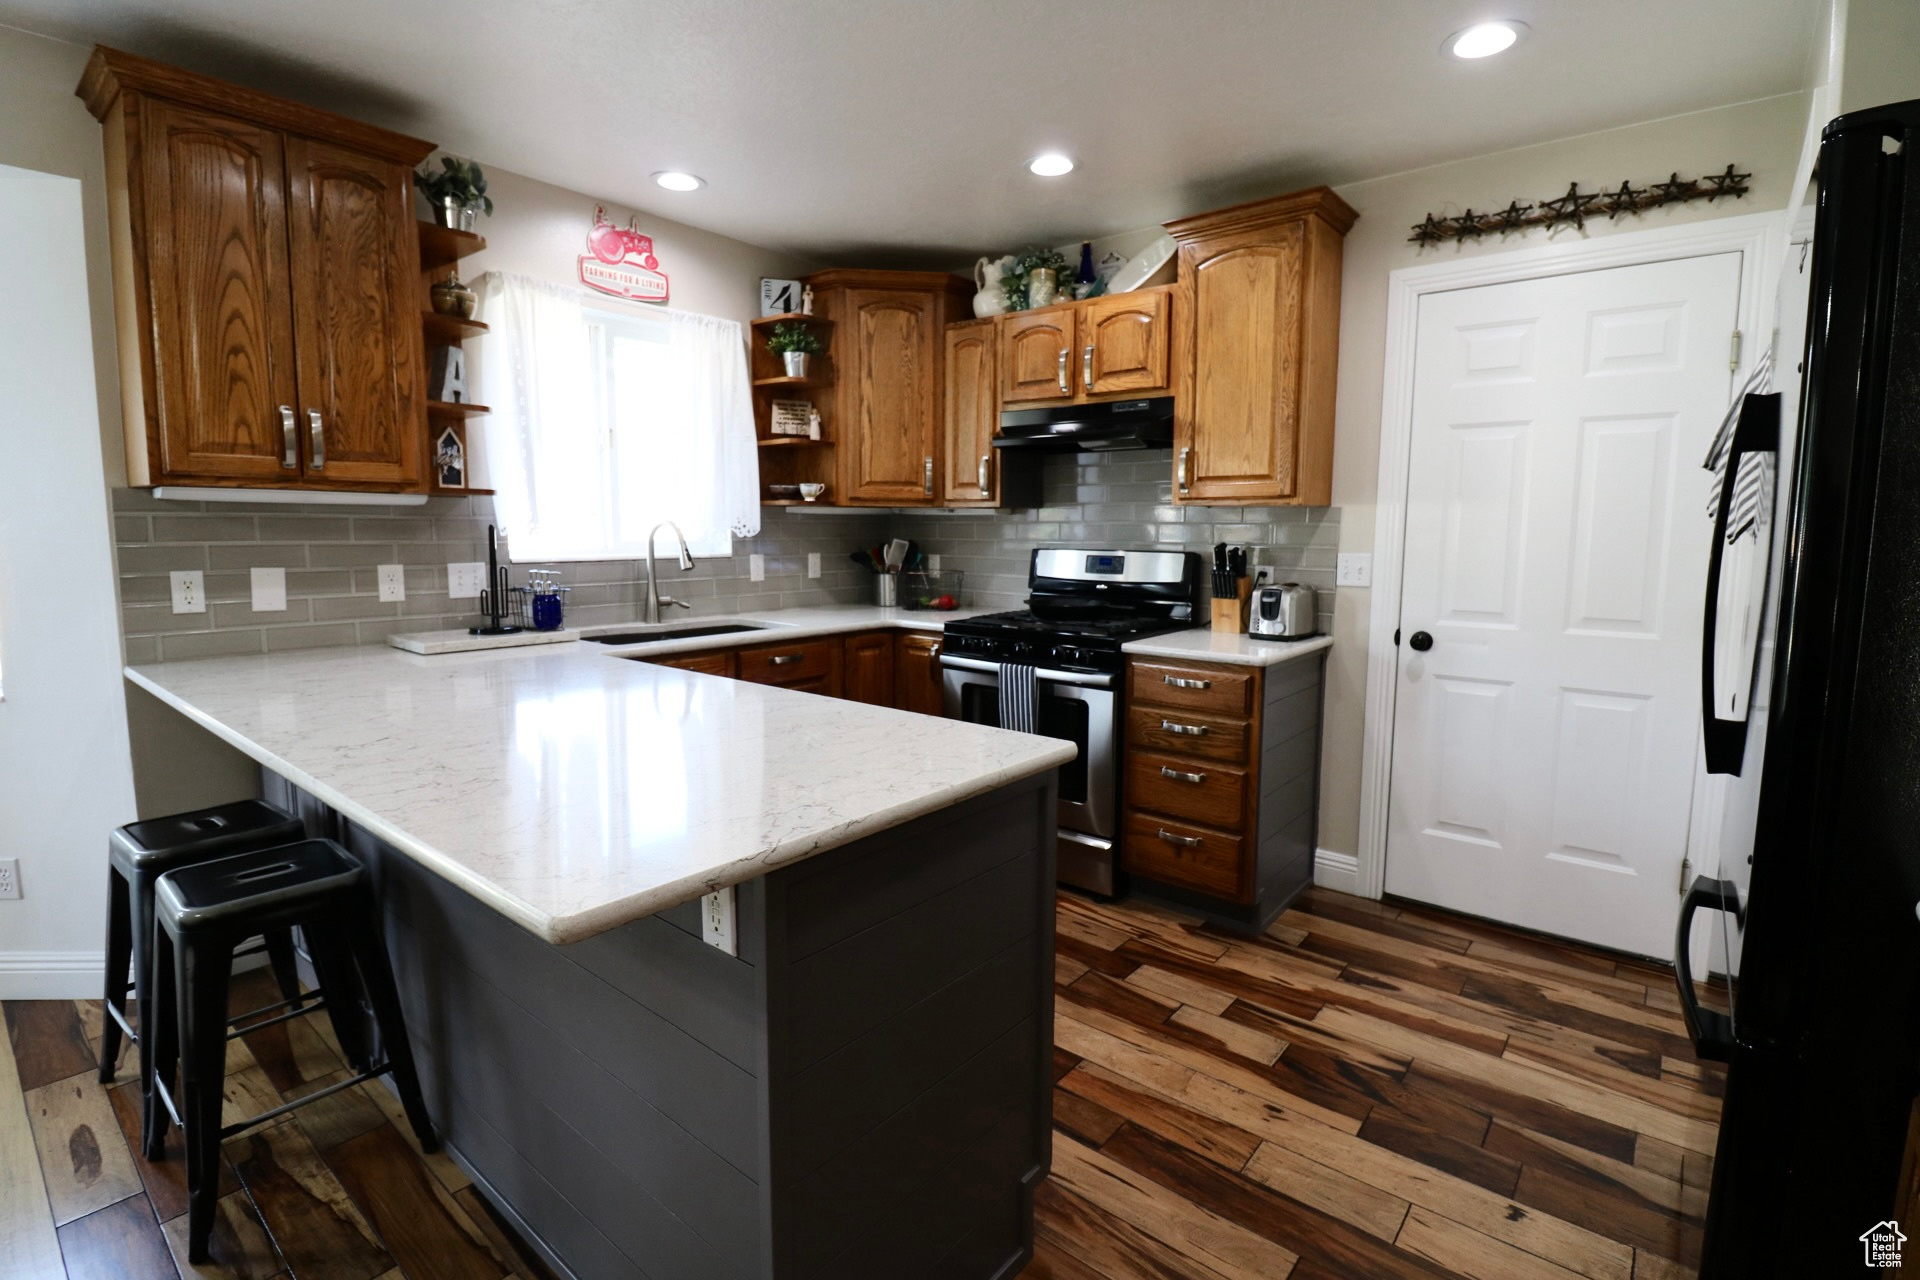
862, 1089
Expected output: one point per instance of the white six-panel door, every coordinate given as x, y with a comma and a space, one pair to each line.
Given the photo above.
1556, 550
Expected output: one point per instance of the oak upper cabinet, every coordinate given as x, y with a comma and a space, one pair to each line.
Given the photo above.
265, 276
970, 413
917, 683
1036, 355
1259, 314
1108, 348
888, 351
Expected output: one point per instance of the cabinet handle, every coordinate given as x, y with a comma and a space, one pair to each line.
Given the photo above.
1188, 842
289, 451
1181, 775
1086, 367
1180, 476
1180, 682
1065, 390
1184, 730
986, 480
317, 437
934, 652
782, 659
926, 477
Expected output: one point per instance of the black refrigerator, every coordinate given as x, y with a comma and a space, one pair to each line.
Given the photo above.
1814, 903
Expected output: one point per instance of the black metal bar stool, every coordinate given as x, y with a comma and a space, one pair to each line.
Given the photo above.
203, 913
139, 854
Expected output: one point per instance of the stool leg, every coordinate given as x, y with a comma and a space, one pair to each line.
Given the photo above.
370, 951
159, 1045
286, 972
119, 953
145, 974
333, 965
201, 972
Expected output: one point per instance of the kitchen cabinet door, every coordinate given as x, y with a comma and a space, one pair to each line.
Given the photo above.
916, 683
355, 255
1125, 343
1036, 356
866, 668
970, 415
891, 348
714, 663
219, 374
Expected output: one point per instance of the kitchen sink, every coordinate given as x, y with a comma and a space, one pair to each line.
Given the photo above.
675, 633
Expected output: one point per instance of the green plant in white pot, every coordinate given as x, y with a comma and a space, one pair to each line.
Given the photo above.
794, 342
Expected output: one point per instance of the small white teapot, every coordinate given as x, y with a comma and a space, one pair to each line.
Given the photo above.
986, 274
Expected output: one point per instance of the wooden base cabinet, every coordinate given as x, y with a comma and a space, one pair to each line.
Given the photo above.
882, 668
1259, 317
866, 668
265, 267
917, 683
1222, 785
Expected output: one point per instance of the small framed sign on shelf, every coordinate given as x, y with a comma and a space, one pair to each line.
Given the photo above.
778, 297
790, 418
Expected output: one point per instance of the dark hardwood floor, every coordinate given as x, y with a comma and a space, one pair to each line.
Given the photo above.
1371, 1090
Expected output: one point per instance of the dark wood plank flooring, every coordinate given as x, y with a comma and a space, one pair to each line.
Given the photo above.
1370, 1090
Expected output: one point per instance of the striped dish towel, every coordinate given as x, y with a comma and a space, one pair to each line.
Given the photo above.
1751, 487
1017, 698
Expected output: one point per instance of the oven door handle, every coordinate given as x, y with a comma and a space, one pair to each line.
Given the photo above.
1090, 679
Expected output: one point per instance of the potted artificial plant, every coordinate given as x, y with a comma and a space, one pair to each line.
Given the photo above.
456, 192
793, 342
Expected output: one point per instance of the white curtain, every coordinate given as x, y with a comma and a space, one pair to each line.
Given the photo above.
605, 424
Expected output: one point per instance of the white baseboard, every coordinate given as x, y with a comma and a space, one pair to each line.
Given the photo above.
1339, 871
52, 975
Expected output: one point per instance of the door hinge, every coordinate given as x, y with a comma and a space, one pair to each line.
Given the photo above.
1733, 354
1686, 874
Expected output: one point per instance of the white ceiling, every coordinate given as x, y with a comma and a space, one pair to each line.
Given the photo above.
896, 131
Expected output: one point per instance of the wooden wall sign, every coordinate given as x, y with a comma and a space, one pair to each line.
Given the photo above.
620, 261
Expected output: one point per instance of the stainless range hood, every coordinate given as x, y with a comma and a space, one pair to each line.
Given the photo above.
1111, 424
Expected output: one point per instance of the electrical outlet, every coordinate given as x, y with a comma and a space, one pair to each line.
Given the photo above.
464, 581
933, 564
393, 582
756, 568
9, 877
813, 564
189, 591
716, 920
1263, 575
270, 590
1355, 569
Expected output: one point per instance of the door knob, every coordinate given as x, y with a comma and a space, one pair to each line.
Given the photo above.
1420, 642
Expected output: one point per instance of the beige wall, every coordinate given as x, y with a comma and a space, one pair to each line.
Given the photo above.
1882, 55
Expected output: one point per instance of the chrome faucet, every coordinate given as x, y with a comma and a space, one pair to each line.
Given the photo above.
654, 598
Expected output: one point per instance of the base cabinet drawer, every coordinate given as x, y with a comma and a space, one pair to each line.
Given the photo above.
1183, 733
802, 662
710, 664
1185, 854
1207, 690
1198, 790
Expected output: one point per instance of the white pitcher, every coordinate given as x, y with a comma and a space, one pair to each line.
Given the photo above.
986, 274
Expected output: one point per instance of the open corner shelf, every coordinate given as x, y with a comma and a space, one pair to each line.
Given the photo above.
787, 317
450, 328
792, 442
441, 246
784, 381
445, 409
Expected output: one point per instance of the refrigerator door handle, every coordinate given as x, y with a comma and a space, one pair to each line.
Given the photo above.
1758, 431
1710, 1030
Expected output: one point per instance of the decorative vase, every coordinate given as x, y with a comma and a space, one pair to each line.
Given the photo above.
1043, 285
452, 298
796, 362
990, 300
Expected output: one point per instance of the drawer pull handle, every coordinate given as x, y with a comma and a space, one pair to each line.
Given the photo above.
1181, 775
1185, 842
1184, 730
782, 659
1179, 682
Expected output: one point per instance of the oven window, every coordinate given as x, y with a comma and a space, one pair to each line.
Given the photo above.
1063, 718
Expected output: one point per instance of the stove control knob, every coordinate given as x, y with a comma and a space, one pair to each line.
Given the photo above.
1022, 649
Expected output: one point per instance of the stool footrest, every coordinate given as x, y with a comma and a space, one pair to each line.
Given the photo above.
307, 1003
113, 1012
276, 1112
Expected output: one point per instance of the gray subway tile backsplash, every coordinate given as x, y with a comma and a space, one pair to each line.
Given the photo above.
1120, 500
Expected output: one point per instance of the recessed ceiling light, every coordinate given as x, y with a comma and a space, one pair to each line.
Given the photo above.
1485, 39
674, 180
1050, 165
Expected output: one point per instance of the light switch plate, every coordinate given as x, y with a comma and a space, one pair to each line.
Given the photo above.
269, 589
1355, 569
189, 591
756, 568
813, 564
716, 920
464, 581
933, 564
393, 582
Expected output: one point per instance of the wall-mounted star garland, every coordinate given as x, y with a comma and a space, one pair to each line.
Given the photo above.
1576, 206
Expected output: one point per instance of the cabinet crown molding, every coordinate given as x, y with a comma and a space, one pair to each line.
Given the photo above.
856, 278
111, 72
1314, 202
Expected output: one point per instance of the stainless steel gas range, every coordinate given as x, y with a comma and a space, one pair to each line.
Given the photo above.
1055, 668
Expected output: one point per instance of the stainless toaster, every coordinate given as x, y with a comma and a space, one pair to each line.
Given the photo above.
1285, 612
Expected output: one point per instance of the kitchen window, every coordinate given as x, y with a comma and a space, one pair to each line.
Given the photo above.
605, 423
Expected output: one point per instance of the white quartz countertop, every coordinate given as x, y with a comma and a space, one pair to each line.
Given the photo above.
1202, 645
776, 625
573, 790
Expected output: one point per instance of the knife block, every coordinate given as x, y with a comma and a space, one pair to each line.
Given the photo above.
1230, 612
